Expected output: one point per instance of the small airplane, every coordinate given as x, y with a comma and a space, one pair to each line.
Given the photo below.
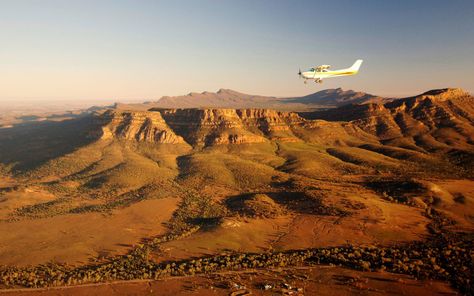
318, 73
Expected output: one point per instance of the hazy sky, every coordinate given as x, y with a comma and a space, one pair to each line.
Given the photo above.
123, 50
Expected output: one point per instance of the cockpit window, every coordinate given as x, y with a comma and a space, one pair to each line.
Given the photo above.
311, 70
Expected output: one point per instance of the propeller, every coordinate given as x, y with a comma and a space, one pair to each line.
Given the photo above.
299, 72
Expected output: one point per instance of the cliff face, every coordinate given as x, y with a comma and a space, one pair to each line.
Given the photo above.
208, 127
204, 127
139, 126
221, 126
437, 119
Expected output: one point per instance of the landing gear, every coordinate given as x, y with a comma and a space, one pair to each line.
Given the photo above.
305, 82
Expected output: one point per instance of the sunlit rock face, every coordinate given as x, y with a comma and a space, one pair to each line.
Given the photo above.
139, 126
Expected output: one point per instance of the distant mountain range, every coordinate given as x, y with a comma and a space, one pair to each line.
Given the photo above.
223, 98
226, 98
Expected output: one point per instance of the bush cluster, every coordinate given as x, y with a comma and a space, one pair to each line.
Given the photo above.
443, 260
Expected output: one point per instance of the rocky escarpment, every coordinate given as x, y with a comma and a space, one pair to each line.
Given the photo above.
207, 127
139, 126
201, 127
222, 126
435, 120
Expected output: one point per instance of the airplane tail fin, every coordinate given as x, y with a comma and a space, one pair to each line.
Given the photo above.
356, 65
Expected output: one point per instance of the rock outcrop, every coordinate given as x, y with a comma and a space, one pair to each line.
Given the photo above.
200, 127
139, 126
437, 119
208, 127
231, 126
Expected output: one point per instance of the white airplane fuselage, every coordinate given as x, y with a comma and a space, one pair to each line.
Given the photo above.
319, 74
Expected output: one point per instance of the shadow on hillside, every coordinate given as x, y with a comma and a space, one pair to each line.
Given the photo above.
184, 166
30, 144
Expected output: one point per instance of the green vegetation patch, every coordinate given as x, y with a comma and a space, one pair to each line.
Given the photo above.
308, 202
406, 191
256, 205
51, 208
195, 209
442, 259
6, 169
